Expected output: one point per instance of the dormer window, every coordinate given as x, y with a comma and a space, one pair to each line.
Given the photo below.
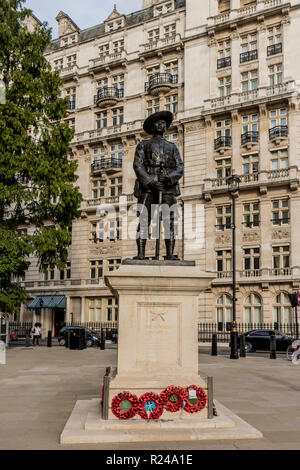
111, 27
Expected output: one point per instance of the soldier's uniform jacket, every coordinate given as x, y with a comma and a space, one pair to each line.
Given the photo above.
154, 157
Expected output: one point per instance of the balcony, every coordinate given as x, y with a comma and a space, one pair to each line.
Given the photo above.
130, 198
274, 49
263, 275
166, 44
278, 133
68, 72
247, 56
111, 60
108, 96
224, 62
261, 179
160, 83
249, 138
106, 165
222, 143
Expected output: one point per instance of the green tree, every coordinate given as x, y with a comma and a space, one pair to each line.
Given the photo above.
38, 197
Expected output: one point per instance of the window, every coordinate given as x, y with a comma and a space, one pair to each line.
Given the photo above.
224, 86
112, 309
116, 186
282, 310
281, 259
172, 138
171, 67
103, 83
153, 35
224, 49
224, 260
250, 164
249, 43
95, 308
170, 31
118, 82
275, 74
66, 273
223, 217
274, 40
279, 160
72, 124
101, 120
98, 188
251, 214
223, 128
172, 104
250, 123
71, 61
114, 264
252, 309
58, 64
224, 309
71, 94
96, 269
104, 50
118, 116
223, 167
280, 212
278, 117
249, 80
118, 46
251, 258
153, 106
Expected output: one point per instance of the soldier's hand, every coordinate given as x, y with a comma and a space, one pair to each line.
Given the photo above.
157, 186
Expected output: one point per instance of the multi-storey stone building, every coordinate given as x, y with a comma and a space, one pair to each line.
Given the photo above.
228, 70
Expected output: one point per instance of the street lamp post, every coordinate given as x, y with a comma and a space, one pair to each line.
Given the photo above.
233, 183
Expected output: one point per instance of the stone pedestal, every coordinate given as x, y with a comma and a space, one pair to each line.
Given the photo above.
158, 329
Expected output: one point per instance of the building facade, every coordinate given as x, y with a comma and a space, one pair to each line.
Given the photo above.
229, 73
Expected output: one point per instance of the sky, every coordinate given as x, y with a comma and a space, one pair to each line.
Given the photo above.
85, 13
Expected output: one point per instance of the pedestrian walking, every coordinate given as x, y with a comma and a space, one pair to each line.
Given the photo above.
36, 333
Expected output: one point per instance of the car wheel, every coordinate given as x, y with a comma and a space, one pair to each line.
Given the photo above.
62, 342
89, 343
248, 347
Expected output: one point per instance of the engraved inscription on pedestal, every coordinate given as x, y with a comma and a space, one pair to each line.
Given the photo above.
159, 341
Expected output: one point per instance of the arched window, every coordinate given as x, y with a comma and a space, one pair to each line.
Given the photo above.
253, 309
282, 311
224, 309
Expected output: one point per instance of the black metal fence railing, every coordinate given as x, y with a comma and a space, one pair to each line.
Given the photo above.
97, 327
109, 92
247, 56
107, 164
278, 131
222, 330
248, 137
20, 328
222, 141
224, 62
274, 49
161, 79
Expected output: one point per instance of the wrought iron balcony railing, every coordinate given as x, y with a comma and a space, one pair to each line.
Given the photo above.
106, 164
249, 137
109, 92
274, 49
161, 79
224, 62
247, 56
278, 131
222, 141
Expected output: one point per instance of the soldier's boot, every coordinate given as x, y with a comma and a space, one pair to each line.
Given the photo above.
141, 244
170, 245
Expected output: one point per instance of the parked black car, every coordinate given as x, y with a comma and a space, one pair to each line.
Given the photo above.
260, 340
92, 338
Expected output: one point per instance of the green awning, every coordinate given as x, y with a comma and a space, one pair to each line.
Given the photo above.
49, 301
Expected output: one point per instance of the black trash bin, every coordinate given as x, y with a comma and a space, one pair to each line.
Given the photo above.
76, 338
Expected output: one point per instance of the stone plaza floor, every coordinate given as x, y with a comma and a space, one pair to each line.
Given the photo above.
39, 387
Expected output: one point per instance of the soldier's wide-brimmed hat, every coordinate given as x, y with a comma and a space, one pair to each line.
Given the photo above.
160, 115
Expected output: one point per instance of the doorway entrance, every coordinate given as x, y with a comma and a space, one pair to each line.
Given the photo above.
59, 320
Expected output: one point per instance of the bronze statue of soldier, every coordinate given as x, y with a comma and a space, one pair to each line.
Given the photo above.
158, 167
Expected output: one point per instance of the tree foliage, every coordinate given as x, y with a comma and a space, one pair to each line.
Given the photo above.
38, 196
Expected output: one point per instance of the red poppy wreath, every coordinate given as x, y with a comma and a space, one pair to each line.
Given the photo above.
173, 398
150, 406
193, 405
125, 405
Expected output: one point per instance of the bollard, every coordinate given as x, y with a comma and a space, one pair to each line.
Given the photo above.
272, 346
49, 341
102, 341
27, 340
242, 346
214, 345
2, 353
